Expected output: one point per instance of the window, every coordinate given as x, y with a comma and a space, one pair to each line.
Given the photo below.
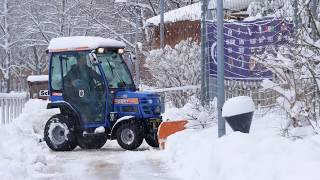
116, 70
56, 80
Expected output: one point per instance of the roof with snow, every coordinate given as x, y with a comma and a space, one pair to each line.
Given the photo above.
37, 78
78, 43
193, 12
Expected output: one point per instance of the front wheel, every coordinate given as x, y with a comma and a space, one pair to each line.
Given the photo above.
59, 133
129, 136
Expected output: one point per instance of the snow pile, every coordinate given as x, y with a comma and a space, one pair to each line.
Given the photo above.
22, 156
262, 154
99, 129
37, 78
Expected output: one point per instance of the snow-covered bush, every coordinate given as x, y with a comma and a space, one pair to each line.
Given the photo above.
176, 67
199, 116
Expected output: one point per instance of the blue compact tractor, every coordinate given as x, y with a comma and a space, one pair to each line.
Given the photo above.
91, 84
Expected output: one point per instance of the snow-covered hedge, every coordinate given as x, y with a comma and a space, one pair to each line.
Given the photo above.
175, 67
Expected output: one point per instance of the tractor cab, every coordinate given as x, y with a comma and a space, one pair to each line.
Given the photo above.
91, 84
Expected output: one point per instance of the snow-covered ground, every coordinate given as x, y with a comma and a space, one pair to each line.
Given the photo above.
192, 154
23, 156
262, 154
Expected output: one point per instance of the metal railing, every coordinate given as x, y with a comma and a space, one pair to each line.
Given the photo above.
11, 106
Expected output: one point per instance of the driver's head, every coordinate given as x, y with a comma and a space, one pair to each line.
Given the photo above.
81, 61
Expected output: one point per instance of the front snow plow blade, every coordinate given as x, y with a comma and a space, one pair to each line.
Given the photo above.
168, 128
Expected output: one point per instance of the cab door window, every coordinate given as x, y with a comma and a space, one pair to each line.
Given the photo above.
56, 79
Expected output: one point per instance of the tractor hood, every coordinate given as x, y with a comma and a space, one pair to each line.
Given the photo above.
131, 94
149, 104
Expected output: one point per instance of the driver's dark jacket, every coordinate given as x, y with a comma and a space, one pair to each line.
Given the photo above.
85, 77
89, 103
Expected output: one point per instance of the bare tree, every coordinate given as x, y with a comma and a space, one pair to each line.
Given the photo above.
295, 66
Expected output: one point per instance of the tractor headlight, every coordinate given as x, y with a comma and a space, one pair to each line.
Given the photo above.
100, 50
120, 51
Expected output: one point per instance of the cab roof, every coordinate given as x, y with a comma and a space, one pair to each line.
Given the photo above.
78, 43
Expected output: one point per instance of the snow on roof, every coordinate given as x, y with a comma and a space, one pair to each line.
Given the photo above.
120, 1
193, 12
38, 78
82, 43
235, 5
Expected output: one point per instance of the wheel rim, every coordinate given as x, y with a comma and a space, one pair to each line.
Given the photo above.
127, 136
58, 134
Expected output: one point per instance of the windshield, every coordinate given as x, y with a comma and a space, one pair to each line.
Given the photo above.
115, 69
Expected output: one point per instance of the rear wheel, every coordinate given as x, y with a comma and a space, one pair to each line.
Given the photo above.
129, 136
59, 133
92, 141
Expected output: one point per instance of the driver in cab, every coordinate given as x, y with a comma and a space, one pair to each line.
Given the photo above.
81, 76
81, 82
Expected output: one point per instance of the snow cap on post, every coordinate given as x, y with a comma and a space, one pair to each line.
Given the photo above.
238, 112
237, 105
78, 43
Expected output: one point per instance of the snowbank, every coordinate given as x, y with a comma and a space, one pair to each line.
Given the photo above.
22, 156
262, 154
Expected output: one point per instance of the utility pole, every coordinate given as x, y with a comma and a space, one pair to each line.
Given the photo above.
220, 57
136, 48
161, 24
314, 6
204, 73
295, 11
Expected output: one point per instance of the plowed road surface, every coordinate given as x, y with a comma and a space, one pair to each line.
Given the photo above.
110, 162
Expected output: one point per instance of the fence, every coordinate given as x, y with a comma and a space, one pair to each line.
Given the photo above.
11, 106
261, 97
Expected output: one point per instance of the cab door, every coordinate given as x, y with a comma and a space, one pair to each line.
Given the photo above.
83, 87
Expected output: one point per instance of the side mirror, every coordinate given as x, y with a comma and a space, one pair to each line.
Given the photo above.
93, 57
